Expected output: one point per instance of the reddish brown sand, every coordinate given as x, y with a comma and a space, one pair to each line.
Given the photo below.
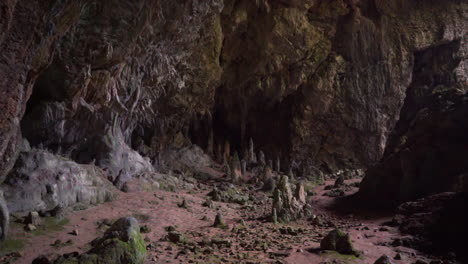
158, 209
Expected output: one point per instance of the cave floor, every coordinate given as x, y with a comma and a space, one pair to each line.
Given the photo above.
258, 241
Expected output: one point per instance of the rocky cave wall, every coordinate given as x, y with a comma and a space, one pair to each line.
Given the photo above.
318, 83
426, 151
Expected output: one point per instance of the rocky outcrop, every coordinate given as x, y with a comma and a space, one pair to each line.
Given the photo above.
338, 241
286, 206
122, 243
328, 78
41, 181
439, 219
425, 153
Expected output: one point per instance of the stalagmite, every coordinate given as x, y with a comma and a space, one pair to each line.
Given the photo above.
278, 164
252, 157
287, 206
243, 167
261, 158
236, 172
227, 151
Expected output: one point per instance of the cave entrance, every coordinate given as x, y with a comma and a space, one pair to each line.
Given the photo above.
47, 89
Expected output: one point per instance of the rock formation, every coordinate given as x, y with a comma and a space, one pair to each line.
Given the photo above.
41, 181
4, 217
287, 206
122, 243
119, 83
425, 152
338, 241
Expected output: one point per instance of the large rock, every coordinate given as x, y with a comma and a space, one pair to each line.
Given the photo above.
439, 219
41, 181
426, 151
121, 244
338, 241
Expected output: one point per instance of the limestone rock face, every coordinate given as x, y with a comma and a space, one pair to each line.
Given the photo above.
439, 219
41, 181
327, 78
425, 153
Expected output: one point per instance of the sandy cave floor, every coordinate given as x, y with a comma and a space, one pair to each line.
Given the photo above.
258, 242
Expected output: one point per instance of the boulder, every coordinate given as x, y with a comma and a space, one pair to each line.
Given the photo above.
42, 181
338, 241
122, 243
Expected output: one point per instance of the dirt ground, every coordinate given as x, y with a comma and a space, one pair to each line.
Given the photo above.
249, 238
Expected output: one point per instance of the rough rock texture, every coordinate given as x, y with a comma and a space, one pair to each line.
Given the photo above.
4, 217
121, 244
439, 219
426, 151
41, 181
338, 241
328, 78
287, 206
318, 83
325, 77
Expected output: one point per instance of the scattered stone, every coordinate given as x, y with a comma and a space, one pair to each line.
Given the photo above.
221, 242
145, 229
397, 256
30, 227
176, 237
183, 204
231, 195
33, 218
339, 181
208, 203
317, 220
289, 231
74, 232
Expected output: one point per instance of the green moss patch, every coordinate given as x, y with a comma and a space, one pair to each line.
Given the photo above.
10, 245
49, 225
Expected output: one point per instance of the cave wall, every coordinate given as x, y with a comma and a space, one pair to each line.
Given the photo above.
426, 152
319, 83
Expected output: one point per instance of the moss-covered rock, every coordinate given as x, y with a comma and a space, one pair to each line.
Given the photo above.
338, 241
121, 244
